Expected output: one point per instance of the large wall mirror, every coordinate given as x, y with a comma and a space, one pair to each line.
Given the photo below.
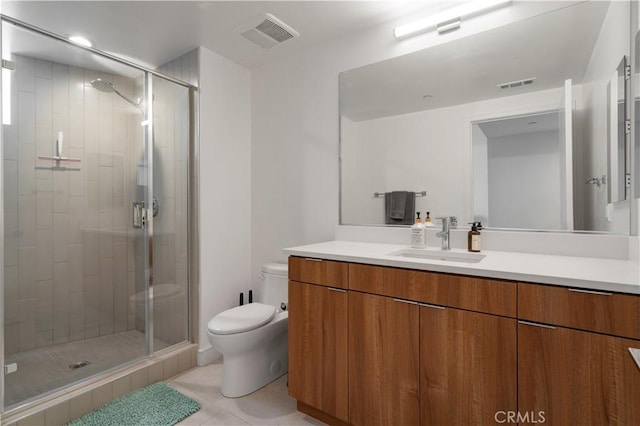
520, 126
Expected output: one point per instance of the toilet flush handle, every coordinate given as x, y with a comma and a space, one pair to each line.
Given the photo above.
283, 306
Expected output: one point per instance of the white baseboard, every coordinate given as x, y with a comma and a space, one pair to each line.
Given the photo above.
207, 356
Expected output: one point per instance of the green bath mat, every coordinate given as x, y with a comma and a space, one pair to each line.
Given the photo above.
154, 405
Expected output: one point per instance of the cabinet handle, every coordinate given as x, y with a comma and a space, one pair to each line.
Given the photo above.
405, 301
312, 259
600, 293
426, 305
340, 290
635, 354
535, 324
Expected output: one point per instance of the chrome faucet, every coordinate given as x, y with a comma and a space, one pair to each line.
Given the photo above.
446, 245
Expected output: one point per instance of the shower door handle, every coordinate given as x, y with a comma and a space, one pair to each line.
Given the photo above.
139, 214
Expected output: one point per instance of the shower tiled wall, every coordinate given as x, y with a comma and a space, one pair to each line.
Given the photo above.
69, 249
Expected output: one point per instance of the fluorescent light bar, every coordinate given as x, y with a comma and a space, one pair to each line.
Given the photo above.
465, 10
81, 41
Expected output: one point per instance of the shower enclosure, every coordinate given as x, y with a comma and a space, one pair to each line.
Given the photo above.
95, 159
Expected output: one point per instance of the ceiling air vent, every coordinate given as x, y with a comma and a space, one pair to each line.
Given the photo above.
266, 31
518, 83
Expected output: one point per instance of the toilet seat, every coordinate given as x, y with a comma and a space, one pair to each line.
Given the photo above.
241, 318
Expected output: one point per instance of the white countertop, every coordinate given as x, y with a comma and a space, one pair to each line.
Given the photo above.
584, 272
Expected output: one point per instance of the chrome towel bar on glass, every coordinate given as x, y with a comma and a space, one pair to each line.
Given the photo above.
381, 194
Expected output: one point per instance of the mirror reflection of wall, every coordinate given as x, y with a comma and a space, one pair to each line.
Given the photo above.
518, 163
407, 123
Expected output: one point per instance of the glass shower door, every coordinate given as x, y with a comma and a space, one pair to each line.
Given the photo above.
75, 144
169, 304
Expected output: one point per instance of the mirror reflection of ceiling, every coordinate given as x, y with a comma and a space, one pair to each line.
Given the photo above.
521, 125
469, 69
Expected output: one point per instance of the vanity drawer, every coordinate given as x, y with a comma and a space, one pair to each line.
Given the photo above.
599, 311
318, 271
490, 296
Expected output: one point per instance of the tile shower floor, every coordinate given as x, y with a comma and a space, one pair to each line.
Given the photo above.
270, 405
44, 369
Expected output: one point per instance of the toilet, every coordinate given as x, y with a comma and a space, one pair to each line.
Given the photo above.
252, 338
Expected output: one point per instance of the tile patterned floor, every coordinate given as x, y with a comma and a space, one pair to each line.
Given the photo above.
270, 405
44, 369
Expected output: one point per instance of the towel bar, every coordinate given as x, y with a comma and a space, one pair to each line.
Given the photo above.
381, 194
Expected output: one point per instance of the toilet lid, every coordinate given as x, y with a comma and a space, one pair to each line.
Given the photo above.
241, 318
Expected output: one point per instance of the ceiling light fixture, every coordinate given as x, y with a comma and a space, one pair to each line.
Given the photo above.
448, 19
80, 40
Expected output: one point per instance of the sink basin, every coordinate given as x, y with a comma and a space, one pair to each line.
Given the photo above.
449, 256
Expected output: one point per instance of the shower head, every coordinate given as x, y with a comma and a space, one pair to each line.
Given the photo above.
105, 86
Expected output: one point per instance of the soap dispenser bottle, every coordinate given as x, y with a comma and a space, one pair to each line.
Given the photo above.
473, 237
418, 234
427, 221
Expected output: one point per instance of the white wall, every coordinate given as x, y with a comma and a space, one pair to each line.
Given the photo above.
225, 187
524, 171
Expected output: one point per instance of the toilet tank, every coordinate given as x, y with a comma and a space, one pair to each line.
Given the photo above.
275, 285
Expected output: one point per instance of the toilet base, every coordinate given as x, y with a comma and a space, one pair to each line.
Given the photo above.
245, 373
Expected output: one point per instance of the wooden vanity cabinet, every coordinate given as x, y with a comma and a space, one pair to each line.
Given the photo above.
318, 346
372, 345
486, 295
574, 363
468, 369
416, 363
383, 360
599, 311
318, 271
577, 377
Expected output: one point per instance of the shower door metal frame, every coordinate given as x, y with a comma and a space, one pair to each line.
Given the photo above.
192, 197
1, 244
148, 228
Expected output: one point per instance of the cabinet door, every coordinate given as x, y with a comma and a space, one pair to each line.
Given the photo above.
467, 366
383, 360
577, 377
318, 348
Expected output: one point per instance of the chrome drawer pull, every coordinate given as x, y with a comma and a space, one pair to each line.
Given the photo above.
635, 354
341, 290
312, 259
601, 293
535, 324
426, 305
405, 301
